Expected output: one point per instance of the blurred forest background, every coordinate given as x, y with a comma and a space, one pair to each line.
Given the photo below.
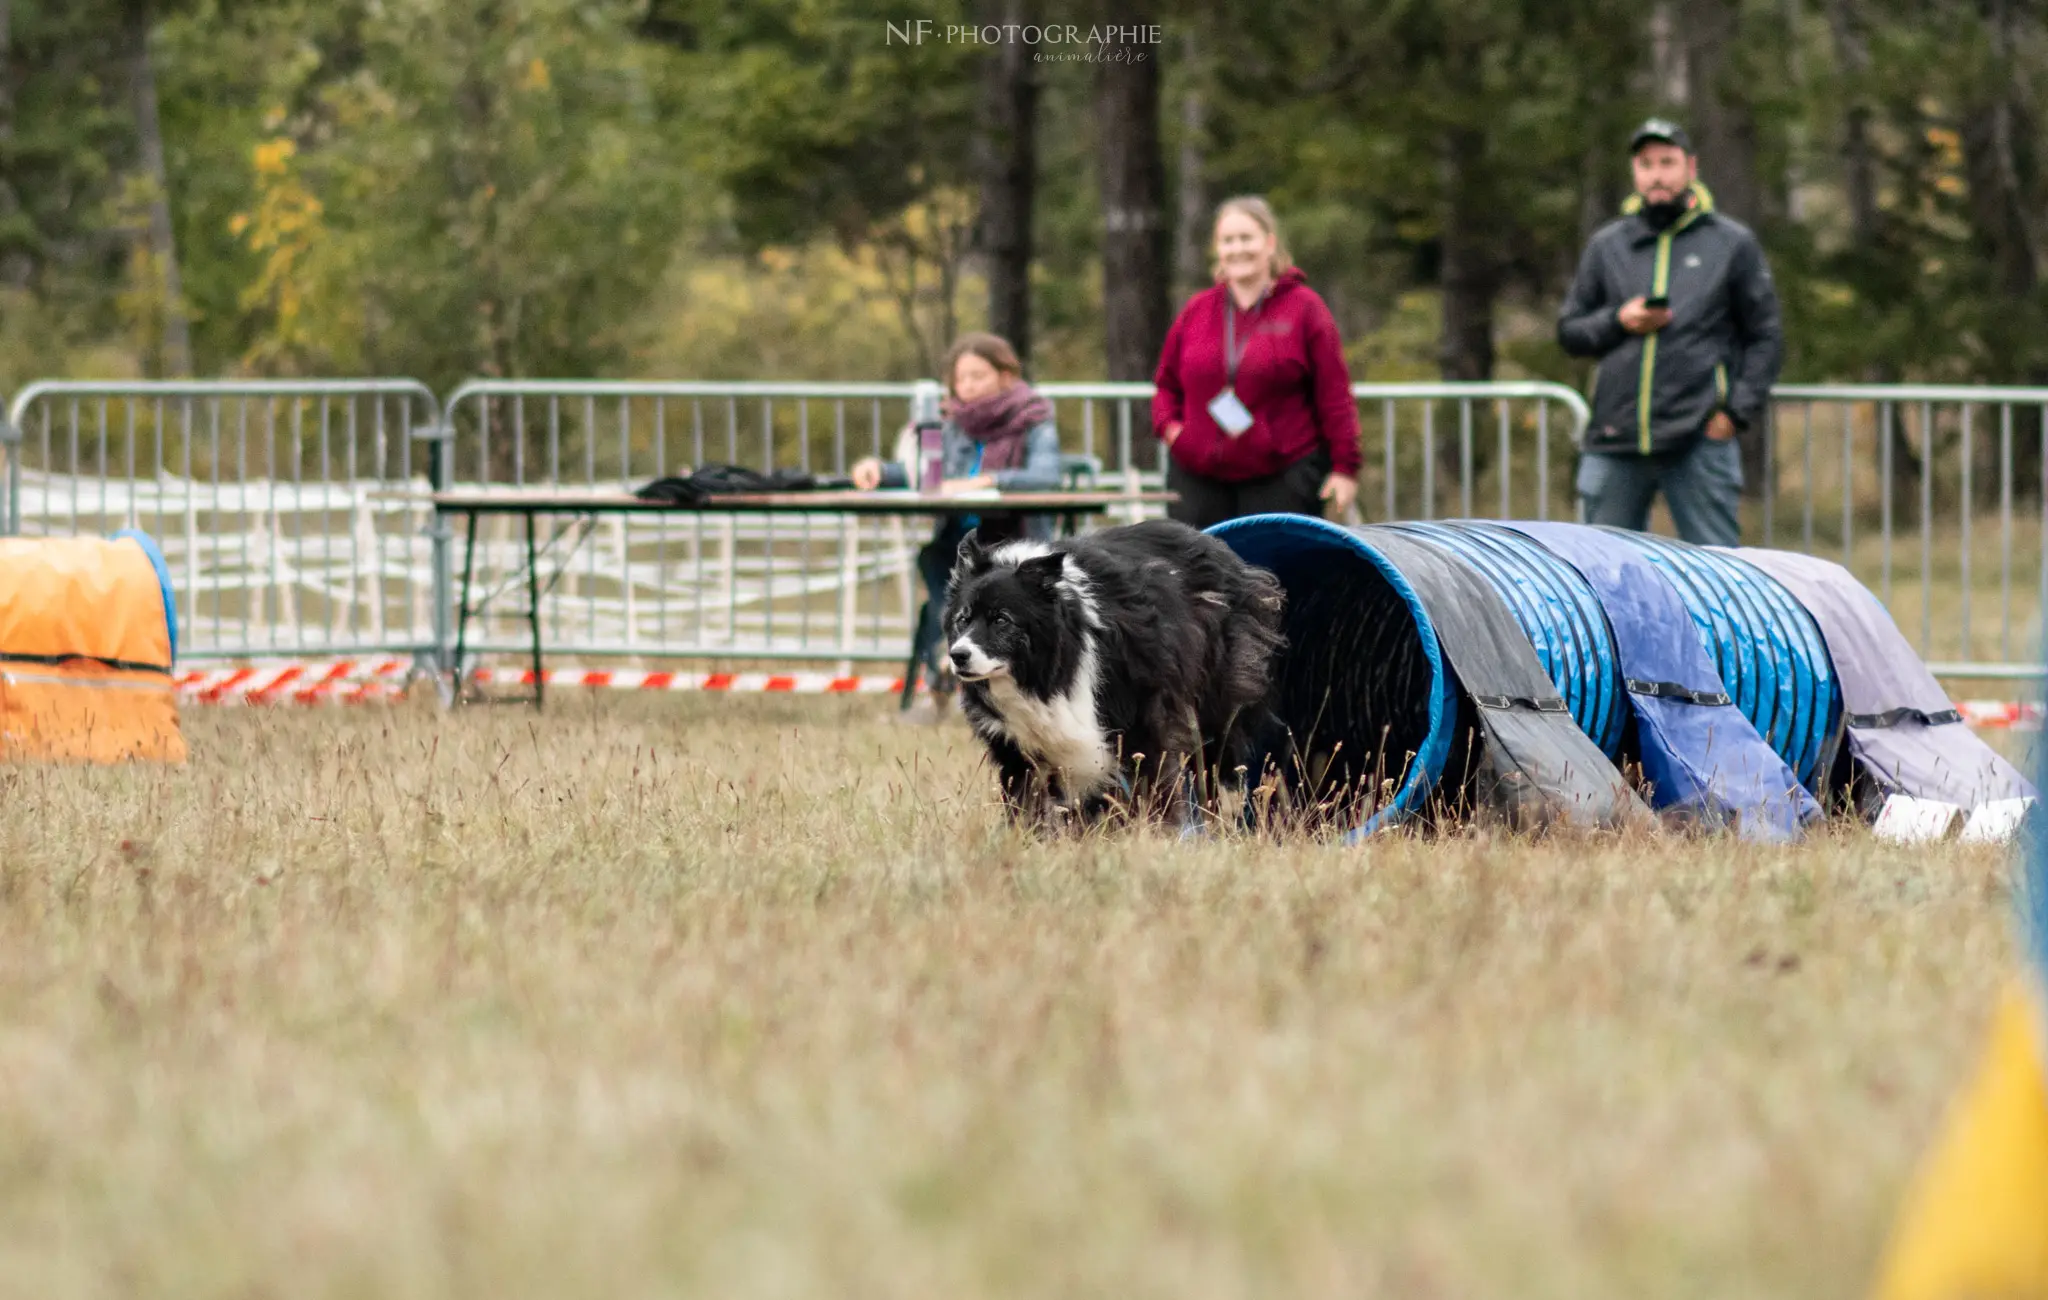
777, 189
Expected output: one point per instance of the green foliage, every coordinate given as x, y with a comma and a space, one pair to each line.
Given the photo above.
813, 116
60, 163
454, 187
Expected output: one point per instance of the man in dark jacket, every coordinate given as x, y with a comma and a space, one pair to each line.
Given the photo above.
1677, 303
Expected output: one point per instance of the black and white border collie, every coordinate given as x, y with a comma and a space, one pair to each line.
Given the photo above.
1115, 670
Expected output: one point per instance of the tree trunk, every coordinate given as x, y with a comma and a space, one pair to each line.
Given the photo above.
16, 267
1859, 169
1191, 230
1667, 66
1133, 199
1007, 145
1471, 269
1867, 231
1791, 197
1999, 214
472, 165
1471, 263
176, 356
1997, 132
1723, 126
1599, 191
1724, 133
476, 100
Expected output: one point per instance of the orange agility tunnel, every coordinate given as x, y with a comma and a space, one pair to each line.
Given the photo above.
87, 631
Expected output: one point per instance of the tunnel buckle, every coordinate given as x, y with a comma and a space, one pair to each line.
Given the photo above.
1677, 691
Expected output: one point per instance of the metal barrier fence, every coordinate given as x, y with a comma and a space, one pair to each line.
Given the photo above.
10, 473
296, 519
1934, 495
741, 587
293, 514
765, 588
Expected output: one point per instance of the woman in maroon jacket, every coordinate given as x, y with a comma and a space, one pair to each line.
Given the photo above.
1254, 400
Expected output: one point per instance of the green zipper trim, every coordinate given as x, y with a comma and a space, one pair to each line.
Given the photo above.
1721, 383
1660, 286
1660, 283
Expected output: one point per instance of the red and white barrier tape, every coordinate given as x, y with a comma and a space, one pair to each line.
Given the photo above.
341, 681
356, 681
735, 683
348, 681
2020, 716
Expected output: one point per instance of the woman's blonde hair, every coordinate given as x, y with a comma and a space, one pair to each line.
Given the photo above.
1261, 212
992, 348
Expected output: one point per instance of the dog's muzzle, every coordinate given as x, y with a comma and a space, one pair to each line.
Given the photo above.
970, 664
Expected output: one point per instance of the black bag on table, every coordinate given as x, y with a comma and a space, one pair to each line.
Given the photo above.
710, 481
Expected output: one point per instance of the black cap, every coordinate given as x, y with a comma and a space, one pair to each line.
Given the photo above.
1659, 129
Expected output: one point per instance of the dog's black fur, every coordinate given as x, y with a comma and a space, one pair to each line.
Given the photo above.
1177, 634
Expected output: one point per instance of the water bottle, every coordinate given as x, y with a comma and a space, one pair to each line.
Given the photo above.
931, 436
931, 455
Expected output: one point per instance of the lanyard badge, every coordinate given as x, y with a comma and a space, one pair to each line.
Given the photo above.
1226, 408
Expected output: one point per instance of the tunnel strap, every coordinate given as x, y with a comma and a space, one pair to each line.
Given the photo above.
1677, 691
58, 661
1546, 704
1905, 713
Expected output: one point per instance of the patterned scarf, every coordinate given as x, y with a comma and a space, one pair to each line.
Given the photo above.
1000, 423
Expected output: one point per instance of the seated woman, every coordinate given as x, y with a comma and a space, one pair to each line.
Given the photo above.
999, 433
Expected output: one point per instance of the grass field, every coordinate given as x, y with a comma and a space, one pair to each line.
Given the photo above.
759, 998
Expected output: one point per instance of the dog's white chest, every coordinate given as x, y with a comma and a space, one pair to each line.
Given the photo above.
1063, 733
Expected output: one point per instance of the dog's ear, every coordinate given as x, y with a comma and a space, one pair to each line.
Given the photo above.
972, 555
1042, 573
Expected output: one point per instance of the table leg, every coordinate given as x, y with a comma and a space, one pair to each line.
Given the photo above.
909, 695
462, 608
533, 610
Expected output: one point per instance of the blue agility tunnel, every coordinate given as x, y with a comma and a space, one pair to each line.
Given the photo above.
1446, 662
1557, 610
1702, 758
1765, 644
1363, 679
1619, 639
1903, 734
1410, 682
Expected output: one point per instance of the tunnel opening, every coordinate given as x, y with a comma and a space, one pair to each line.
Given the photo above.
1371, 707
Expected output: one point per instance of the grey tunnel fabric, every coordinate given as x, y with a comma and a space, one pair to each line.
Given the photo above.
1903, 730
1538, 767
1702, 758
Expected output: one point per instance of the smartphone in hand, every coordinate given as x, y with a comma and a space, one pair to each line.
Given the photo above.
1658, 303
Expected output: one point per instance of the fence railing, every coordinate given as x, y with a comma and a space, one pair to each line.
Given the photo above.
598, 431
766, 588
719, 586
1934, 495
296, 517
10, 473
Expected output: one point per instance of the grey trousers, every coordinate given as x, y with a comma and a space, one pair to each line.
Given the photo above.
1702, 484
